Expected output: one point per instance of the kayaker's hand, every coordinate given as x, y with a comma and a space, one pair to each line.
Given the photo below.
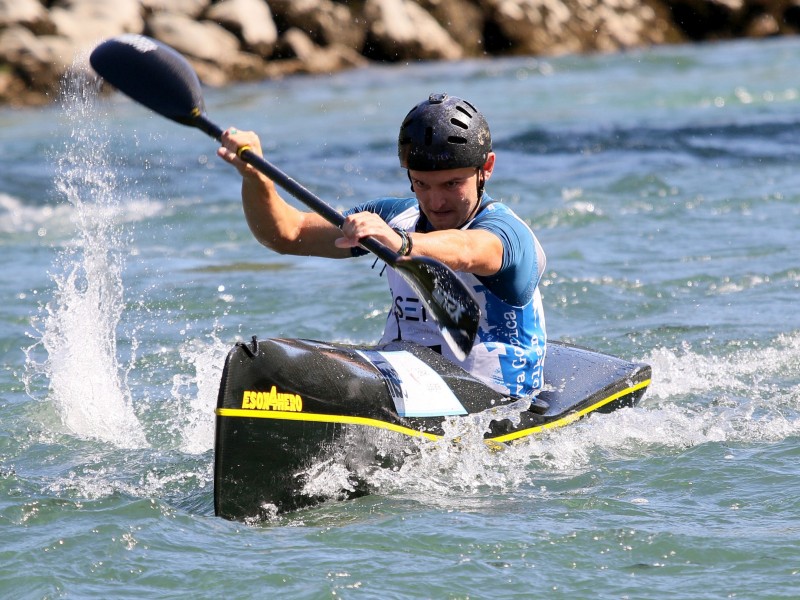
366, 224
233, 143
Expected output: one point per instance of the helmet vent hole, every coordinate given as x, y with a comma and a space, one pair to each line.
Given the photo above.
428, 136
464, 111
458, 123
454, 139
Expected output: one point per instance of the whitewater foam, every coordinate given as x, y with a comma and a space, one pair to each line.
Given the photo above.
196, 394
751, 395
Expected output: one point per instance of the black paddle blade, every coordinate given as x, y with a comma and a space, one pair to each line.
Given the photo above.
451, 302
152, 74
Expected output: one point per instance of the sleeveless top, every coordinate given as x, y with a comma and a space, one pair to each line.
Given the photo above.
509, 349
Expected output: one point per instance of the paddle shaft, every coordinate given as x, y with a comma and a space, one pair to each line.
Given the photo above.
294, 188
160, 78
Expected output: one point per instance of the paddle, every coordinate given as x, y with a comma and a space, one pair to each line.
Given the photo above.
158, 77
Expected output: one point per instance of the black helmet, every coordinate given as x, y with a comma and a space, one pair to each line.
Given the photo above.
443, 132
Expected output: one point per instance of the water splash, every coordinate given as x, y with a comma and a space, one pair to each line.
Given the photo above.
749, 395
457, 465
87, 385
196, 395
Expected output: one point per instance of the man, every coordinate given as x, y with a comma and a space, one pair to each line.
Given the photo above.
446, 147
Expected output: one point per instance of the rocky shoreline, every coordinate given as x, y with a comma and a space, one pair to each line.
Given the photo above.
245, 40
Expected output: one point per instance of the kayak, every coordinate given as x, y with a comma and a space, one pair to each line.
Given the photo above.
286, 404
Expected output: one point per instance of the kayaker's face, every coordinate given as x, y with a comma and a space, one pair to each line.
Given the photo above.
446, 197
449, 197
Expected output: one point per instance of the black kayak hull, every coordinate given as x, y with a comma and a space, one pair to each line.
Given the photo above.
285, 403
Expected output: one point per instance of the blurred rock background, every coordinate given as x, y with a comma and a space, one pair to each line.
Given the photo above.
240, 40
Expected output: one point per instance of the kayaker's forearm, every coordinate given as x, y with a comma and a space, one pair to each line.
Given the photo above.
272, 220
477, 252
281, 227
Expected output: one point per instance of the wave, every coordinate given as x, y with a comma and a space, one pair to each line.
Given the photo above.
768, 141
749, 396
19, 217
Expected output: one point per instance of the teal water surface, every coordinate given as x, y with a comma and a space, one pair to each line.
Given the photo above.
664, 187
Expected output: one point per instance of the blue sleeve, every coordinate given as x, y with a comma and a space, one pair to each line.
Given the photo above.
518, 277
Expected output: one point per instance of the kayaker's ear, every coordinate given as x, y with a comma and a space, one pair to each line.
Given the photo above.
488, 166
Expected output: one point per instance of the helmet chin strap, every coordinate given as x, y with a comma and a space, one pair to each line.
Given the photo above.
480, 185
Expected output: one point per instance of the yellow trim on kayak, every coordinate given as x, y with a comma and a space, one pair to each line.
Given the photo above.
350, 420
319, 418
570, 417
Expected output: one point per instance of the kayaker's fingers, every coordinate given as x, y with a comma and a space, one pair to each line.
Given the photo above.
366, 224
344, 242
237, 141
232, 158
233, 143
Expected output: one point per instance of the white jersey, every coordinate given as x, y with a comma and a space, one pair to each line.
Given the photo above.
509, 349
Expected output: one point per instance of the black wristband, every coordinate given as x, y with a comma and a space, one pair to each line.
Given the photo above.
405, 246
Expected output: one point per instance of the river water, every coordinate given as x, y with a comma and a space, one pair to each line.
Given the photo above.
664, 187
